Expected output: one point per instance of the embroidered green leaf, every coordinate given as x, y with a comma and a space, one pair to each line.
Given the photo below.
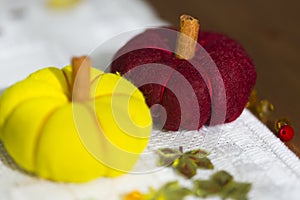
221, 184
236, 190
184, 163
169, 191
185, 166
222, 178
167, 156
204, 163
204, 188
198, 152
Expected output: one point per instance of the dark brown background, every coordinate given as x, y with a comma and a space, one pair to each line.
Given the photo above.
269, 30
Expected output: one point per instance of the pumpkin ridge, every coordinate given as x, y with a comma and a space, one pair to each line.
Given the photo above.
52, 86
115, 94
3, 97
58, 74
16, 107
103, 146
166, 83
107, 144
68, 84
40, 133
93, 80
6, 133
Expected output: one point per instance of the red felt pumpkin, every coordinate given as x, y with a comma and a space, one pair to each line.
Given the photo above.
210, 87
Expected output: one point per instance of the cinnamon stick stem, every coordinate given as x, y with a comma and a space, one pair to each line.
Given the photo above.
81, 67
187, 39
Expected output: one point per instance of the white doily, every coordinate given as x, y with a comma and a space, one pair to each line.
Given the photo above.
41, 37
245, 148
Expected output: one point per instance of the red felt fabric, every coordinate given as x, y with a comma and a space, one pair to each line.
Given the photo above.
188, 107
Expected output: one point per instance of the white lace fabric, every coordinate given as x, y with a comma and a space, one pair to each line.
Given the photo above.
245, 148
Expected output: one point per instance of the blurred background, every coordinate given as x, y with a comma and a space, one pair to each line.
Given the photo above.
269, 30
35, 34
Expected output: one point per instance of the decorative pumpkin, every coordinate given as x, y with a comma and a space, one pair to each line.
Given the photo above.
74, 124
62, 3
220, 74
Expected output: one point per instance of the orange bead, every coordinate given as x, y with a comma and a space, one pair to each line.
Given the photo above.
134, 195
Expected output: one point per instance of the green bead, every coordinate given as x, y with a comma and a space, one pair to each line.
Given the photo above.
279, 123
264, 110
252, 100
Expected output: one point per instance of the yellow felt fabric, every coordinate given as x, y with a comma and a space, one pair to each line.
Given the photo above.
49, 135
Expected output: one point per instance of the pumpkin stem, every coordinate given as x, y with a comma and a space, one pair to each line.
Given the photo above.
81, 67
187, 39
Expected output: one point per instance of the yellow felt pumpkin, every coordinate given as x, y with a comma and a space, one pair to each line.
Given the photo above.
51, 132
62, 3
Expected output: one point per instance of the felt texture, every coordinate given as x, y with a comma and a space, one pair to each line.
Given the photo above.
154, 48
